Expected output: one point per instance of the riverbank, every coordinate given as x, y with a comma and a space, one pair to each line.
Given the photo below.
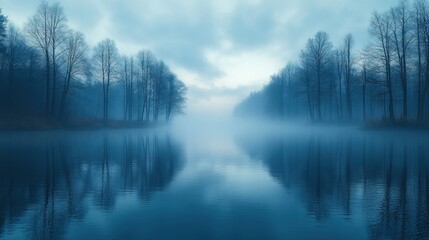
396, 125
34, 125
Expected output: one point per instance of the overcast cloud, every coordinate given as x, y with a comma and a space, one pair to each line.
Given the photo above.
222, 49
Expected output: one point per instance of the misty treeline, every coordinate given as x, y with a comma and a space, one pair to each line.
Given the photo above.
388, 79
48, 73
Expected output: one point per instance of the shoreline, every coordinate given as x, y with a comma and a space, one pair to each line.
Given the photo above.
84, 125
396, 126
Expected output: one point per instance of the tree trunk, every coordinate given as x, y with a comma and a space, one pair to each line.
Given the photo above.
419, 74
319, 90
364, 93
48, 83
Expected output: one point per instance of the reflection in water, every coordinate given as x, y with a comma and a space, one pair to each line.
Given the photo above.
386, 176
46, 180
289, 185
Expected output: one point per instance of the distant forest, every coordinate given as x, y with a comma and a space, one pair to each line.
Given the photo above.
387, 80
49, 75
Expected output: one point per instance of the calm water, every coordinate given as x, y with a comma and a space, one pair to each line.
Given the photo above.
143, 184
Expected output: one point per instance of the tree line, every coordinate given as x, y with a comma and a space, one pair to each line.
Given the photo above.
48, 73
387, 79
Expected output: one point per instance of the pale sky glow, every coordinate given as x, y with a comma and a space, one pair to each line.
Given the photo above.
222, 49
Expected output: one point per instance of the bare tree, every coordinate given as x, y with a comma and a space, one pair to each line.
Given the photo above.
131, 89
306, 80
145, 61
364, 65
393, 71
57, 28
106, 63
402, 39
3, 21
46, 29
290, 71
319, 49
160, 72
283, 76
127, 79
348, 64
15, 45
422, 35
339, 59
125, 83
75, 61
382, 50
176, 96
49, 51
37, 28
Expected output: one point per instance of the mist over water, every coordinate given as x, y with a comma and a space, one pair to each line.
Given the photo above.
215, 179
214, 119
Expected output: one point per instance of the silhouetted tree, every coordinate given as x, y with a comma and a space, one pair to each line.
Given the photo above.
106, 63
57, 27
176, 96
38, 29
75, 61
159, 89
364, 83
339, 62
422, 38
3, 21
15, 45
306, 79
319, 51
145, 61
382, 49
393, 69
403, 37
348, 64
127, 78
45, 63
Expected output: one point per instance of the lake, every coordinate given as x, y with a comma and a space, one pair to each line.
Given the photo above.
225, 183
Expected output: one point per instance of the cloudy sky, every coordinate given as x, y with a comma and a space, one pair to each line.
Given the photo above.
222, 49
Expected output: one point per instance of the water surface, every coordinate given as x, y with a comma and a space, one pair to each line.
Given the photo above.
329, 183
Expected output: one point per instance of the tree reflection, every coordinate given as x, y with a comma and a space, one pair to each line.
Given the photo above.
50, 179
331, 174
